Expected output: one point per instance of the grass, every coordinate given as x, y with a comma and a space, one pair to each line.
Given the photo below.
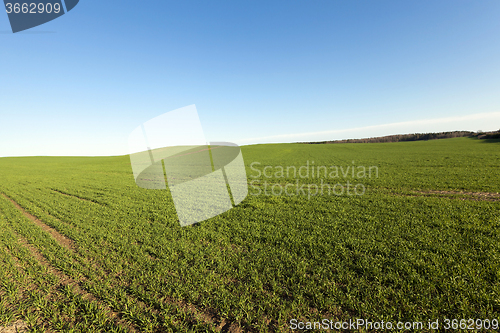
401, 252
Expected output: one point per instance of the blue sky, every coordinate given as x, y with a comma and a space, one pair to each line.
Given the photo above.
258, 71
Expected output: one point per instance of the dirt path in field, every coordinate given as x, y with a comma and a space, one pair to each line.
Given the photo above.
461, 195
75, 196
60, 238
69, 281
220, 324
488, 196
17, 327
211, 318
64, 279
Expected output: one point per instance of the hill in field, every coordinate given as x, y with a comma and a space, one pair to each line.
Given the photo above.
419, 136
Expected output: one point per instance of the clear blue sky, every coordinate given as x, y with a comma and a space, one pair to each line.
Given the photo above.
258, 71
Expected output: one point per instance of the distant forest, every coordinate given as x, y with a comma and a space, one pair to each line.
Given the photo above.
420, 136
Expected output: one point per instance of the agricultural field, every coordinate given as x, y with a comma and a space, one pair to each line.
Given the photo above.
83, 249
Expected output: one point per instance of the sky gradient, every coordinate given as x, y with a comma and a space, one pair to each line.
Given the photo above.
257, 71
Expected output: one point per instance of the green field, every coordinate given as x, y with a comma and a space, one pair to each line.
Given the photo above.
83, 249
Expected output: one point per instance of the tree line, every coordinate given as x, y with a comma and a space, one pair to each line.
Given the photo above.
420, 136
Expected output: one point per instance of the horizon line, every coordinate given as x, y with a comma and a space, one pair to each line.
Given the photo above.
252, 144
434, 121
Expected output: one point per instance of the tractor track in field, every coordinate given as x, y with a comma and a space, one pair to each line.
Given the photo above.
17, 327
207, 317
462, 195
64, 280
458, 195
60, 238
77, 197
